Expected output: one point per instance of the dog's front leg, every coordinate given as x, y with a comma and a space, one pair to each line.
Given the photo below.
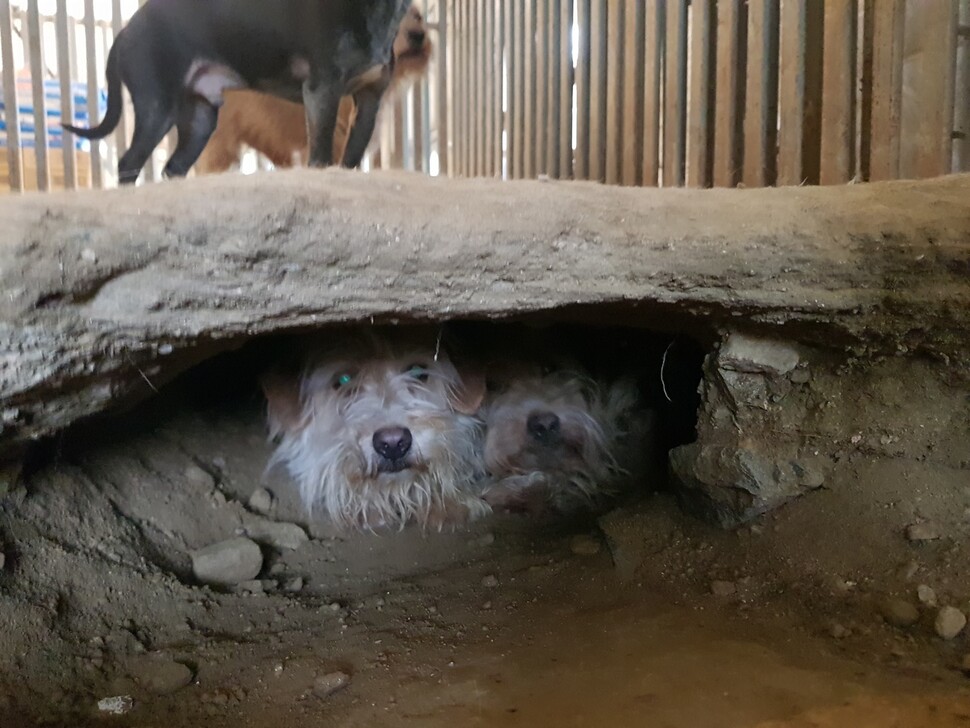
321, 99
368, 101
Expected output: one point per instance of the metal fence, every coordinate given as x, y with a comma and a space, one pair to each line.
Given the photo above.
634, 92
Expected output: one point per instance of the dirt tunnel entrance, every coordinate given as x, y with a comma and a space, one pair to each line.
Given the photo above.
800, 562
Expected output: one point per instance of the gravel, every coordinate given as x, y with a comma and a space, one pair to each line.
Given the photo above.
899, 612
950, 622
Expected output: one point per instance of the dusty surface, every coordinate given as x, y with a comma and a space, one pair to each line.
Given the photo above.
108, 295
669, 623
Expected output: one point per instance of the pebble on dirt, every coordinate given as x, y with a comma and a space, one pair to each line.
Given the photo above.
584, 545
227, 562
926, 595
116, 704
924, 531
899, 612
490, 582
294, 585
326, 685
723, 588
197, 476
965, 664
160, 675
950, 622
261, 501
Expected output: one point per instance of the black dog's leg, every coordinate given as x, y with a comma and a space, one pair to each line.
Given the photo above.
197, 121
368, 102
321, 100
152, 122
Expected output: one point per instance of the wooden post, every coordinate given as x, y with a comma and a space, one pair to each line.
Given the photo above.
614, 89
653, 54
566, 78
93, 73
761, 94
701, 114
11, 113
675, 94
838, 89
729, 93
62, 20
887, 88
631, 156
581, 164
597, 90
553, 99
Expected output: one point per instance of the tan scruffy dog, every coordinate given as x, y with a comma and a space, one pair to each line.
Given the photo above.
380, 430
559, 441
277, 128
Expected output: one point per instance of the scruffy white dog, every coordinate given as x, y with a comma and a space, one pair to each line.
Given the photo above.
558, 440
380, 430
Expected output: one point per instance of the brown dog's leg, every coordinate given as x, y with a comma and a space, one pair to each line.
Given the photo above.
220, 153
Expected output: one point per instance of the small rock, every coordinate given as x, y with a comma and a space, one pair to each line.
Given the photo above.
950, 622
278, 534
261, 501
584, 545
924, 531
837, 631
487, 539
228, 562
89, 256
160, 675
326, 685
116, 704
926, 595
908, 570
965, 664
197, 476
3, 560
490, 582
723, 588
294, 585
252, 586
899, 613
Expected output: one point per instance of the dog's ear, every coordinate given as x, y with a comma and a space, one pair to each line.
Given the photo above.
468, 396
284, 408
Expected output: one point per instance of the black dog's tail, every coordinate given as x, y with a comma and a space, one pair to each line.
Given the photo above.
113, 113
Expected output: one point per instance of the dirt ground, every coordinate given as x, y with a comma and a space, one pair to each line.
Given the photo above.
646, 617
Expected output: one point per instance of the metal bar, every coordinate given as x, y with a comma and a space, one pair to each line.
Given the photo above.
15, 165
564, 168
597, 90
91, 51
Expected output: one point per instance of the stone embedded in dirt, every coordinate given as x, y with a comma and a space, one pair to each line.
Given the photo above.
293, 585
584, 545
731, 485
160, 675
228, 562
279, 535
116, 704
252, 586
926, 595
326, 685
261, 501
923, 531
486, 539
723, 588
197, 476
490, 581
965, 663
950, 622
837, 631
899, 612
3, 560
754, 355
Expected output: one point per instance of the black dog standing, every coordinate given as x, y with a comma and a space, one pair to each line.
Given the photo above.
178, 56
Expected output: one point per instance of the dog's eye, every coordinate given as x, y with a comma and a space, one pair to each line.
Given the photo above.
342, 380
419, 372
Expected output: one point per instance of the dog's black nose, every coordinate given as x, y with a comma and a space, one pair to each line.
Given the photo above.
392, 443
544, 427
416, 38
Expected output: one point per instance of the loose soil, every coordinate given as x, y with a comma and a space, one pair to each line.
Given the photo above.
510, 622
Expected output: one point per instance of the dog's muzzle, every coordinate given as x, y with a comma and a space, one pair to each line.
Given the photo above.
392, 444
545, 428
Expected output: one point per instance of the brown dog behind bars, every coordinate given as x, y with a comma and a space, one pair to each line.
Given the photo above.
276, 127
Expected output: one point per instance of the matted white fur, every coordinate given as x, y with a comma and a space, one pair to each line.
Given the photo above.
362, 385
583, 465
